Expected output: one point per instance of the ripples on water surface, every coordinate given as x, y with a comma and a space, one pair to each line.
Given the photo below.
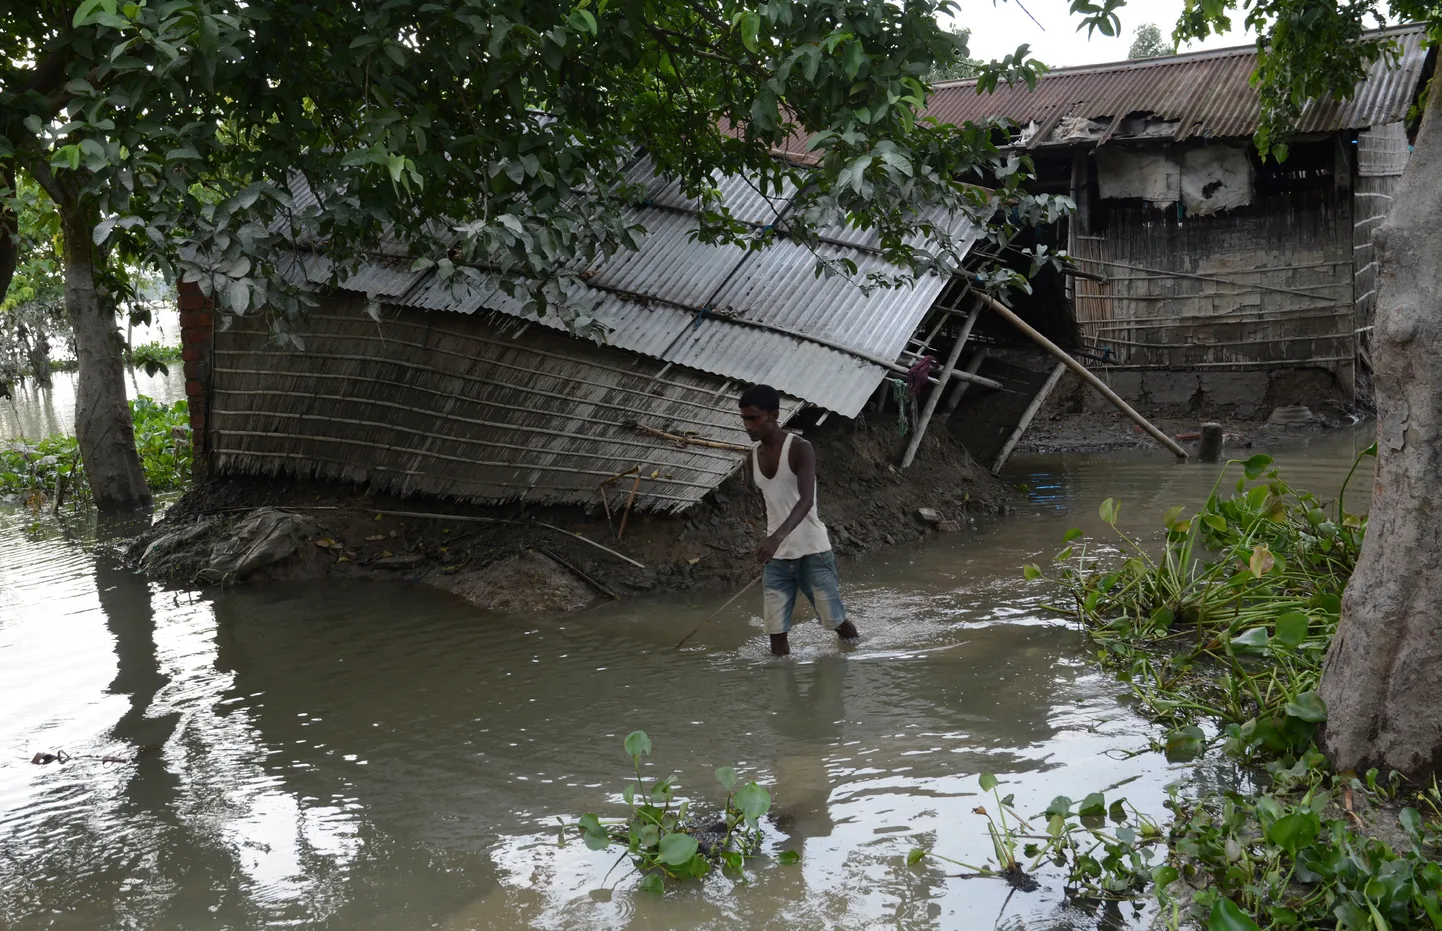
387, 757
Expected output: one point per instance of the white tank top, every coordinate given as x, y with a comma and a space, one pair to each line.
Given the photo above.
781, 494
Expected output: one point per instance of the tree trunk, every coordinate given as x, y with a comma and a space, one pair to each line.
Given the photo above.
1382, 680
102, 418
9, 232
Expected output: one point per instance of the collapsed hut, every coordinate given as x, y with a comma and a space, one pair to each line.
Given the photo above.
471, 396
1206, 277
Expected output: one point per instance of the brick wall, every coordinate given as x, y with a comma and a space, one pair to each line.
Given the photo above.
197, 327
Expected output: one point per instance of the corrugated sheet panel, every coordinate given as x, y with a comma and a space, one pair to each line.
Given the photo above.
477, 407
1207, 94
780, 287
742, 195
672, 299
791, 366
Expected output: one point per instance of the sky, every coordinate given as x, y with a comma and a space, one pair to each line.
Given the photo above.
998, 28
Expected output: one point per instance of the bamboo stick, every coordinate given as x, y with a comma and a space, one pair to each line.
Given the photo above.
934, 397
729, 602
690, 441
626, 514
1084, 373
577, 572
466, 518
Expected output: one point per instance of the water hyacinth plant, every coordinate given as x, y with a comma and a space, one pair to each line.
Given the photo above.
1221, 638
666, 840
40, 473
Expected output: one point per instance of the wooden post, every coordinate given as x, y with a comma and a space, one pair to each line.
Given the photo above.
1026, 416
934, 397
1212, 439
1085, 374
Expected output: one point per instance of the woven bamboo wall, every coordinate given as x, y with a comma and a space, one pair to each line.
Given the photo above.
477, 407
1265, 285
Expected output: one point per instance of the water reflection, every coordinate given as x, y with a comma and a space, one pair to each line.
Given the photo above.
35, 411
387, 757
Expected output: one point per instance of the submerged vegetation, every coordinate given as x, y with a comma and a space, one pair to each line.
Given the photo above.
48, 472
1221, 639
665, 839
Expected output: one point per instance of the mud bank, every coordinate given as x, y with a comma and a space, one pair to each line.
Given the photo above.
506, 558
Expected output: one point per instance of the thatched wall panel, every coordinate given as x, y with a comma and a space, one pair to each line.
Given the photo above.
477, 407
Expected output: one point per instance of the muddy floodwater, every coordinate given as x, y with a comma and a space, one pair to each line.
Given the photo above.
387, 757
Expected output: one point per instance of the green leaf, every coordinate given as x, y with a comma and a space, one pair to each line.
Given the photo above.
988, 782
788, 857
1164, 875
1309, 707
1295, 831
1060, 807
1031, 572
853, 59
1226, 916
396, 164
1093, 806
1072, 534
1254, 466
582, 21
1185, 744
651, 883
727, 777
677, 848
1411, 821
1292, 629
1253, 638
1214, 521
753, 802
1108, 511
749, 24
915, 856
638, 744
84, 12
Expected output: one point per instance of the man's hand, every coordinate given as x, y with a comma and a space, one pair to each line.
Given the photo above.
767, 549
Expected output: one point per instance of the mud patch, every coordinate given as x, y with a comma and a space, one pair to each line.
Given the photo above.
506, 558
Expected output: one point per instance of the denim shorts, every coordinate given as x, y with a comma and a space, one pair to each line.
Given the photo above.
813, 576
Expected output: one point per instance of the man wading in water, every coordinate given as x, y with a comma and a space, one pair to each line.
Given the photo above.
796, 552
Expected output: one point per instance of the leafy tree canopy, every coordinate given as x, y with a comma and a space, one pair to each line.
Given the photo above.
1147, 42
490, 136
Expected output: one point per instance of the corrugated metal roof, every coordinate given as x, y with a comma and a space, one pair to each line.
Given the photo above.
718, 308
1207, 95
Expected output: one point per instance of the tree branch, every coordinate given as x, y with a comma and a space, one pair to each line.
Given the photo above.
48, 182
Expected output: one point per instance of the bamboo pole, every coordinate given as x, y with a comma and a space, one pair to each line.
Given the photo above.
1026, 417
934, 398
626, 515
1085, 374
690, 440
